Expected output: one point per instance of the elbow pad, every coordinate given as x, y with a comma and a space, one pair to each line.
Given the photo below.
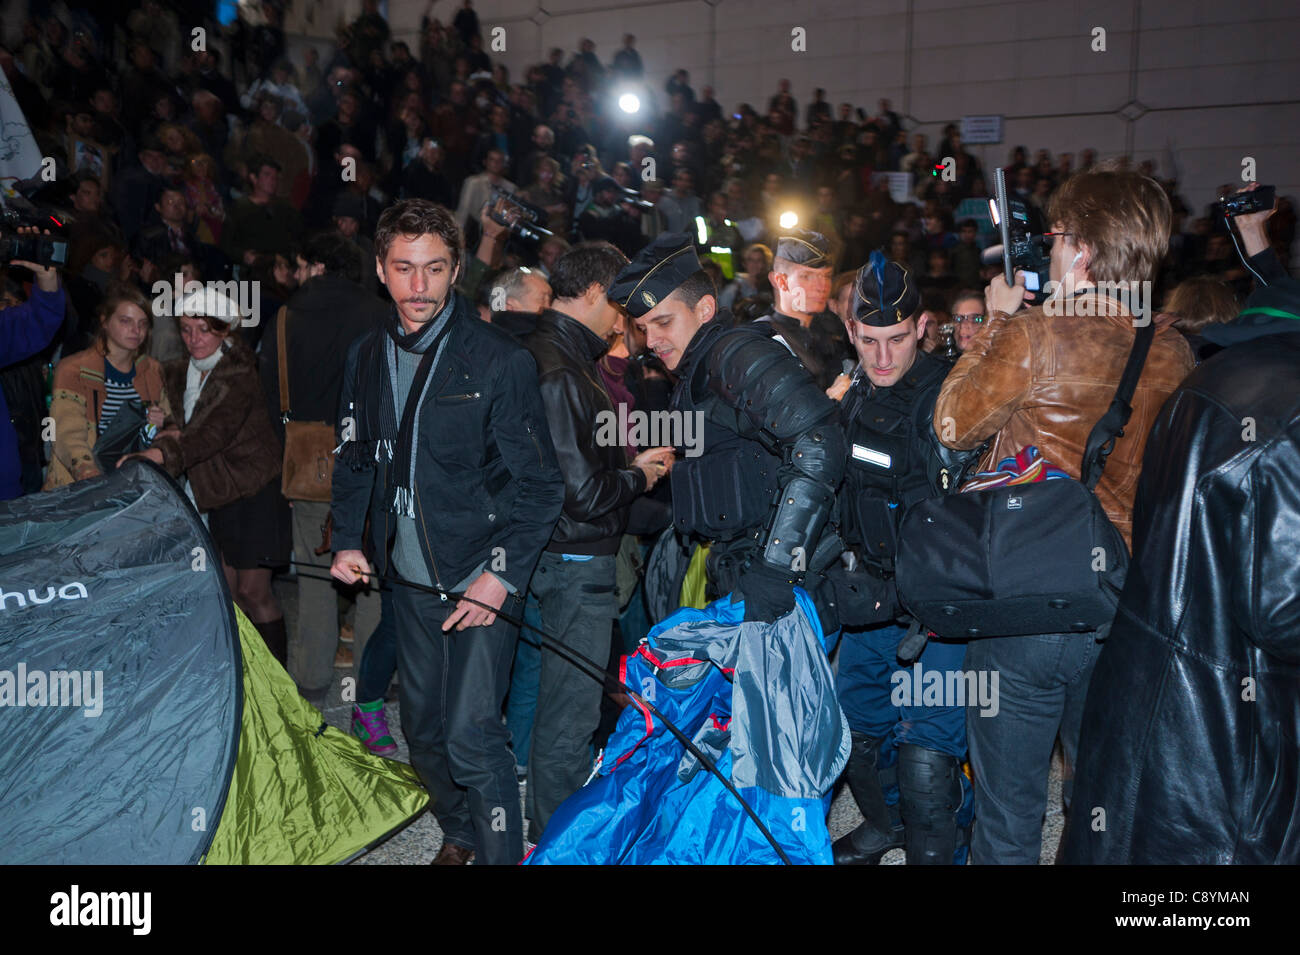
801, 516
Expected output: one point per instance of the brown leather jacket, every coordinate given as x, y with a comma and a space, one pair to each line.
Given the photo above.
78, 394
227, 450
1045, 380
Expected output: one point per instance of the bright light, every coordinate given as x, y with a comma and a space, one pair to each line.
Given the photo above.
789, 219
629, 103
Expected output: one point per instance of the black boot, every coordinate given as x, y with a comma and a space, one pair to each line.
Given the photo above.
881, 830
931, 794
276, 638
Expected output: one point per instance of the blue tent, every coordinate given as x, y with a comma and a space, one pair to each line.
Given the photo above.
759, 699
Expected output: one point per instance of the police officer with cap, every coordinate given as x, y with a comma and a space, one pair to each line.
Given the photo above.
908, 755
773, 451
801, 283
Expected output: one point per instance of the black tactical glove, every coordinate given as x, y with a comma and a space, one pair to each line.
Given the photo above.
768, 592
857, 594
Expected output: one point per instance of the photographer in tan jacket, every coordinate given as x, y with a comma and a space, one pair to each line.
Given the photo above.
1043, 377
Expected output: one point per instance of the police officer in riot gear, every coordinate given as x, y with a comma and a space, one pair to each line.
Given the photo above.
801, 284
909, 747
773, 451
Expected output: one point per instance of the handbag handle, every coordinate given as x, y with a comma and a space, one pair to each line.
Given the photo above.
1101, 440
281, 340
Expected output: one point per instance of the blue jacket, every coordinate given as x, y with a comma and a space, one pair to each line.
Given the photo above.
24, 330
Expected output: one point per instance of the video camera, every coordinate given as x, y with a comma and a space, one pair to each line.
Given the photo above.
46, 250
632, 197
522, 217
1022, 249
1244, 203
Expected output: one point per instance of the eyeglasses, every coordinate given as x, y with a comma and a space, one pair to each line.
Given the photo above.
1048, 236
975, 317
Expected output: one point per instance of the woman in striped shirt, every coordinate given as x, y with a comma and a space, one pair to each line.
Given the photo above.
91, 386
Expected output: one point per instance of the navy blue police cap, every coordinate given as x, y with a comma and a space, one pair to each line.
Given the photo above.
884, 293
655, 273
804, 247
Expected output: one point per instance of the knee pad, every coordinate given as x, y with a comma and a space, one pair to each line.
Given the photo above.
931, 795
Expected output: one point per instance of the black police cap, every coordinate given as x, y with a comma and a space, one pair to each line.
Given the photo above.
655, 273
884, 293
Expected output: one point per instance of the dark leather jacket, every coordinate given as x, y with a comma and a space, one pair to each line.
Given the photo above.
599, 483
1189, 736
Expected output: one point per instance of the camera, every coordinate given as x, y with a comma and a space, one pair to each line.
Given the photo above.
633, 198
1022, 241
1244, 203
522, 218
43, 250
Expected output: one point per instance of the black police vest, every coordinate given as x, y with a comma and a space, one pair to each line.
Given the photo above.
729, 491
891, 464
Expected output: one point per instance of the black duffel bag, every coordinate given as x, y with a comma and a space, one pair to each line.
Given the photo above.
1020, 559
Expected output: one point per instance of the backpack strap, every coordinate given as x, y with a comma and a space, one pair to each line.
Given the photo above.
281, 343
1101, 440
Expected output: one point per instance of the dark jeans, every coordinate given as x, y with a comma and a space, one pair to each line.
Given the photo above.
578, 608
1042, 683
521, 705
452, 687
379, 659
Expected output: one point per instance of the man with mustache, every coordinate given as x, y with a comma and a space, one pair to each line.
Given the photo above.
443, 440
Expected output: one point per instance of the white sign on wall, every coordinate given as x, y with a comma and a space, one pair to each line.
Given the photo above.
981, 129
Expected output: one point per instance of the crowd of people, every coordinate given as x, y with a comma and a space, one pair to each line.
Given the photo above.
395, 194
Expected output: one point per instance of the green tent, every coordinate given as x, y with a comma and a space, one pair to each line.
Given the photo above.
337, 800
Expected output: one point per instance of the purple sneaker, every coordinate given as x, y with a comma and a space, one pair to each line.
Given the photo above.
370, 725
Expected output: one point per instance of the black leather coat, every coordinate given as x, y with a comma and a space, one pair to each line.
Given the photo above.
1190, 742
599, 483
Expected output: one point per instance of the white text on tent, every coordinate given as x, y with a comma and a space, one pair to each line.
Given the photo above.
23, 687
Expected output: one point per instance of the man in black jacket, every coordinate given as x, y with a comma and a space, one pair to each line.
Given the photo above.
325, 316
574, 582
443, 442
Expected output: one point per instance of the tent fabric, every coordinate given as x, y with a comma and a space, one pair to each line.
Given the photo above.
136, 602
301, 794
759, 699
201, 746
